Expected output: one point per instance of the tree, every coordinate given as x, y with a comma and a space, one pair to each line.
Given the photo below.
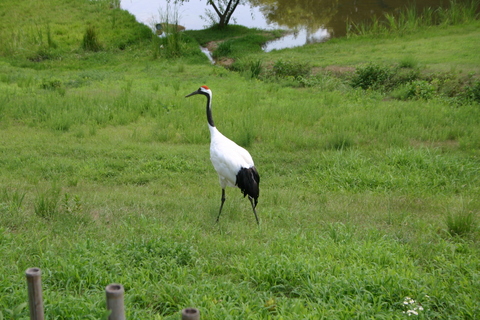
223, 8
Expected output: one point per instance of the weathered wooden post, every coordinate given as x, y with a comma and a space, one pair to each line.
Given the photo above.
190, 314
35, 300
115, 301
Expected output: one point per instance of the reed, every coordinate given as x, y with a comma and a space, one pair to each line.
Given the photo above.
409, 20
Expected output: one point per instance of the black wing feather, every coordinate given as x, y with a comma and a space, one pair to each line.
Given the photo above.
248, 180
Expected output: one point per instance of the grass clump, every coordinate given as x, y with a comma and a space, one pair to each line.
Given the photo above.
283, 69
224, 49
90, 40
250, 68
461, 224
46, 203
371, 76
11, 201
408, 62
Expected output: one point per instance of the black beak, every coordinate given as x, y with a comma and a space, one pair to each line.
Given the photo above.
193, 93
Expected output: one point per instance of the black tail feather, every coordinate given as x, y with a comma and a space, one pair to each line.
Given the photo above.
248, 181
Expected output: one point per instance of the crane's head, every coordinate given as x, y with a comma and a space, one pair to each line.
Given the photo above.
202, 90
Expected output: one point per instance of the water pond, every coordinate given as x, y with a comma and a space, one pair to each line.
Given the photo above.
309, 20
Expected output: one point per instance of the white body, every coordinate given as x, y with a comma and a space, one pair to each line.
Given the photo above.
227, 158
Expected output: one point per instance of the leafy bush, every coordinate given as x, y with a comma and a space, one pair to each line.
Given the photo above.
473, 91
285, 69
420, 89
371, 76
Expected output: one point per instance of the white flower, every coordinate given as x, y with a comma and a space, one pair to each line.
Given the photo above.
410, 312
413, 307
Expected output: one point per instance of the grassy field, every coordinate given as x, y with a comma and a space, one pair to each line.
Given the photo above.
368, 149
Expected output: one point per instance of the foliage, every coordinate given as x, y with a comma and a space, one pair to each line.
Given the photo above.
11, 201
46, 205
224, 49
418, 89
369, 205
461, 224
232, 41
215, 34
293, 69
371, 76
409, 20
473, 91
90, 40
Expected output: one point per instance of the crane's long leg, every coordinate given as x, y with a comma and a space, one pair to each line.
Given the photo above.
253, 207
221, 206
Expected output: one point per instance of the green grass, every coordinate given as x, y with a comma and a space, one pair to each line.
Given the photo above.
369, 198
233, 41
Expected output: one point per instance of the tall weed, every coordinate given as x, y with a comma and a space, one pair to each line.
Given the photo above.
46, 203
461, 224
409, 20
11, 200
90, 40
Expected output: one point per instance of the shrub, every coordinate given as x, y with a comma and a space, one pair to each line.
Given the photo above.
371, 76
473, 91
291, 69
420, 89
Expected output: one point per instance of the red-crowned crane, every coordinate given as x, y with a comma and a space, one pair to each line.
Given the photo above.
233, 163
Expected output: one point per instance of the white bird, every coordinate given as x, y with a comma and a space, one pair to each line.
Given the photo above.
233, 163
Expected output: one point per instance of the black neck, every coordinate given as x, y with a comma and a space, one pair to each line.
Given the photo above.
209, 111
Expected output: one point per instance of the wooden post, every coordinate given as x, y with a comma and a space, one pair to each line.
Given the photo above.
35, 300
190, 314
115, 301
